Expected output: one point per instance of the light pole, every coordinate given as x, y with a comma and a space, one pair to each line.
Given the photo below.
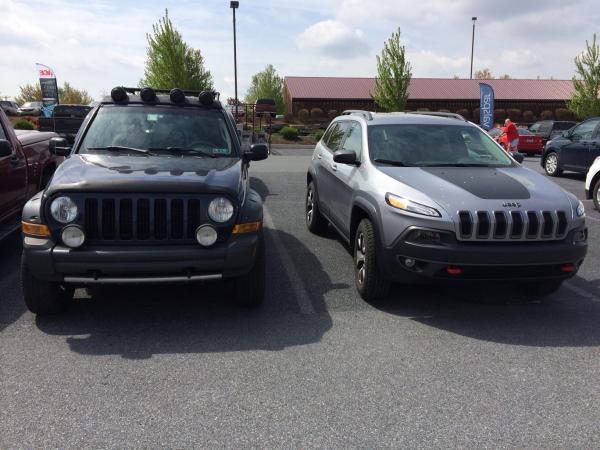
235, 5
474, 19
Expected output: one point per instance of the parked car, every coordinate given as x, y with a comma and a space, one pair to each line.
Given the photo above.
264, 106
26, 166
65, 121
31, 108
424, 198
574, 150
529, 143
549, 129
155, 190
239, 112
10, 108
592, 183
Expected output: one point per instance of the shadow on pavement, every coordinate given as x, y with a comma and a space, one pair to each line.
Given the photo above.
139, 322
491, 314
11, 302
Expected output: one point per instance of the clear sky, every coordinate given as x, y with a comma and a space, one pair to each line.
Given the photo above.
96, 45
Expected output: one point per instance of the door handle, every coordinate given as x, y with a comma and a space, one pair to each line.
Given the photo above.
334, 167
319, 155
14, 161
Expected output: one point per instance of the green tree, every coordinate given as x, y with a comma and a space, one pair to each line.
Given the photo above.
171, 62
266, 84
393, 75
584, 101
32, 92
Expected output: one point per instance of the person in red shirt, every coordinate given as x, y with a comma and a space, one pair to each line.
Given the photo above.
512, 135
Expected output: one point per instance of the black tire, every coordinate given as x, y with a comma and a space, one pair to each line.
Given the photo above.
315, 221
539, 290
552, 164
43, 297
596, 195
368, 278
250, 288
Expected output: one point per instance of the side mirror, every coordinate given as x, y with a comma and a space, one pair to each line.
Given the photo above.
345, 157
5, 148
519, 157
58, 146
565, 134
257, 152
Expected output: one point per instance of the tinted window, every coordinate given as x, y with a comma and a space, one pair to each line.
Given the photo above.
563, 125
435, 145
150, 127
354, 139
2, 135
545, 127
584, 130
535, 127
335, 139
524, 132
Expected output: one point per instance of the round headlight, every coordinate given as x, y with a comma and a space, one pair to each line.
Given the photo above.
206, 235
220, 209
63, 209
73, 236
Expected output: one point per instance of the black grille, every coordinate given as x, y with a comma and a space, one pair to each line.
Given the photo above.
514, 225
143, 219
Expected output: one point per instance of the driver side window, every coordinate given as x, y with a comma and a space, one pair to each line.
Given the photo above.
584, 130
354, 139
2, 134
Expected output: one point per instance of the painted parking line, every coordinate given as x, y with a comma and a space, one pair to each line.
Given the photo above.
306, 306
581, 292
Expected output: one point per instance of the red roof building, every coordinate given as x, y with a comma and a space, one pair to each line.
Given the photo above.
523, 100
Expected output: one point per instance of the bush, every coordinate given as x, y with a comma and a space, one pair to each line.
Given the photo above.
476, 115
499, 115
528, 116
23, 124
514, 114
316, 113
563, 114
317, 135
289, 133
547, 115
303, 114
332, 113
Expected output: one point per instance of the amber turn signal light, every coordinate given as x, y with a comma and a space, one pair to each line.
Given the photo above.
35, 229
250, 227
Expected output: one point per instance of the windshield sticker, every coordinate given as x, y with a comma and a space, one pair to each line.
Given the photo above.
221, 151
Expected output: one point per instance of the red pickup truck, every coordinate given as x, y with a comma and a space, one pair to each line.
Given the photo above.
26, 166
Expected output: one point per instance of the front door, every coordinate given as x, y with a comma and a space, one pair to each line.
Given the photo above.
329, 145
576, 153
345, 179
13, 181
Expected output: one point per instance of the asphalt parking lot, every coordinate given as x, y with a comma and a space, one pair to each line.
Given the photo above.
315, 367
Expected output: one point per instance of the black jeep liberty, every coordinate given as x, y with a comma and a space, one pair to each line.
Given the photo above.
154, 190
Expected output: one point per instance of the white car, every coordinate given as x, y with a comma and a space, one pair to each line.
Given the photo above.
592, 183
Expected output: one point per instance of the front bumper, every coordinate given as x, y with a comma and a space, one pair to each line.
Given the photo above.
140, 264
484, 260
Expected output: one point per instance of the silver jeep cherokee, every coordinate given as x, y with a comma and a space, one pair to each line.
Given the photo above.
432, 197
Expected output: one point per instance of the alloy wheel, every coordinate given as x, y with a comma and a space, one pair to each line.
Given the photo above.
310, 205
361, 252
551, 163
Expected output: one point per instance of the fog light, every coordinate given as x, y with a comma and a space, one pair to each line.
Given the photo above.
567, 268
206, 235
580, 235
73, 236
409, 262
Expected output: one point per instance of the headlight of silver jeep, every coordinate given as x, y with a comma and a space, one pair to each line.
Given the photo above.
63, 209
220, 209
408, 205
580, 209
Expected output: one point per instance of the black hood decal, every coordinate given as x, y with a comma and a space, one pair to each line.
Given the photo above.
483, 182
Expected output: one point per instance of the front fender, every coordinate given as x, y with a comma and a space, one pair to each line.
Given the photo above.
32, 211
252, 209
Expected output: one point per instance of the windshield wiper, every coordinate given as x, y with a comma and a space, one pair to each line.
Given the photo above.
392, 162
119, 148
182, 150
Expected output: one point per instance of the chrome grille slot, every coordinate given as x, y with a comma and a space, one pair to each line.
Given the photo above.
143, 219
516, 230
548, 224
466, 223
108, 219
533, 226
125, 219
501, 224
483, 224
562, 224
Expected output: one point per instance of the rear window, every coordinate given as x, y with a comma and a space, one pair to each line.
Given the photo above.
563, 125
524, 131
265, 101
71, 111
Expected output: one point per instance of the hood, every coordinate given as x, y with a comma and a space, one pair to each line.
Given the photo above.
482, 188
110, 173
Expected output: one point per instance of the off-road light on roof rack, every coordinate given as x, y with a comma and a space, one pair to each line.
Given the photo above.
148, 94
177, 95
207, 98
118, 94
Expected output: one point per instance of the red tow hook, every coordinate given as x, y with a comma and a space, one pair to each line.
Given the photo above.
567, 268
452, 270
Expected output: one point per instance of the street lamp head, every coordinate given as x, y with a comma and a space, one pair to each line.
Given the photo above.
472, 18
234, 5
